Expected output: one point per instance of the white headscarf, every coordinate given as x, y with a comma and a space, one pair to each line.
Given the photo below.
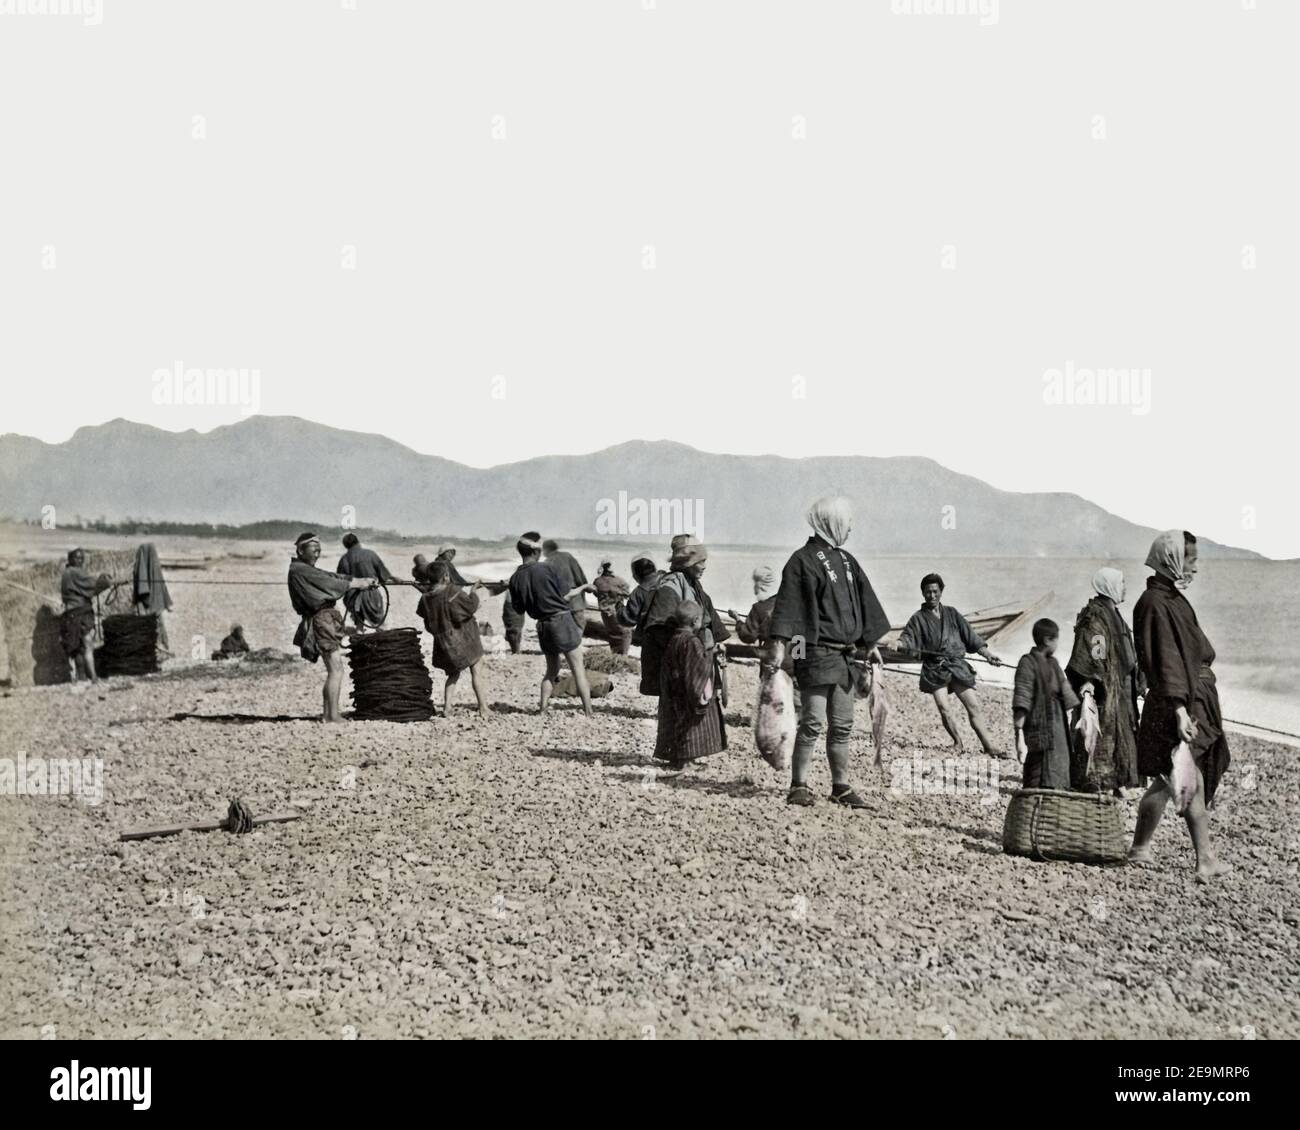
764, 581
1107, 581
831, 518
1168, 557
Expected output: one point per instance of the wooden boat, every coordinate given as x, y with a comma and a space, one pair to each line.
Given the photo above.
992, 623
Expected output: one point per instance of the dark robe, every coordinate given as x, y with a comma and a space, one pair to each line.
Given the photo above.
1176, 658
148, 587
944, 641
672, 589
1046, 697
827, 609
571, 576
690, 720
448, 616
611, 595
1104, 655
359, 561
756, 628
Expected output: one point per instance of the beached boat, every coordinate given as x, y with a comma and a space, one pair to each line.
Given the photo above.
996, 622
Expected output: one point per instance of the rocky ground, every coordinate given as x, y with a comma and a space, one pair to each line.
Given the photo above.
523, 877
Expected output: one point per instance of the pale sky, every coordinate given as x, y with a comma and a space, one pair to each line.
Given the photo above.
1113, 184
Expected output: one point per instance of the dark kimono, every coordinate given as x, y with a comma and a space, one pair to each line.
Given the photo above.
688, 681
366, 605
79, 587
672, 589
755, 628
827, 609
313, 593
448, 616
1047, 699
1176, 658
945, 641
1105, 656
571, 576
611, 595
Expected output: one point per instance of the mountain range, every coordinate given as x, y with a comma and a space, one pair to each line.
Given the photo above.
282, 466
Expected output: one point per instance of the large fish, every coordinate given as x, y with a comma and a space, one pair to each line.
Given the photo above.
878, 702
871, 686
774, 720
1182, 778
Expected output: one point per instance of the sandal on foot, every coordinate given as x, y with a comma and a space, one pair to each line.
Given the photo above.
800, 795
847, 797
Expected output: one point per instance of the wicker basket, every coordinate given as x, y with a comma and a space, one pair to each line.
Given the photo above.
1075, 827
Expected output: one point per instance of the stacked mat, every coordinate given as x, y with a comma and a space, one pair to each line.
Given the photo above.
130, 646
389, 679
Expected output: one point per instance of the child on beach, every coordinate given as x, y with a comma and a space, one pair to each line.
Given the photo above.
448, 614
1041, 706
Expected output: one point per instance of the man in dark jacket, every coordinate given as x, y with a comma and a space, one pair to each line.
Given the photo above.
825, 610
571, 577
537, 589
366, 605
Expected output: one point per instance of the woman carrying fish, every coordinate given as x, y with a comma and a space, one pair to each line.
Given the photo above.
1182, 704
825, 611
684, 582
753, 628
1103, 664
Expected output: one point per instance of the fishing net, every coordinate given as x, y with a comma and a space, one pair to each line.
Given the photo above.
130, 645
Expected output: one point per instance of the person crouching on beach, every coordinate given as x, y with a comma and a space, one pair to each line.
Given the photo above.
313, 593
688, 681
448, 614
1041, 706
536, 588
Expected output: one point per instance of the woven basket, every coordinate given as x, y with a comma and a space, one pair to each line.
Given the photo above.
1075, 827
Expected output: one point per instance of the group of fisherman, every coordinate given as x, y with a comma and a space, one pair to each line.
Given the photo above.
1108, 722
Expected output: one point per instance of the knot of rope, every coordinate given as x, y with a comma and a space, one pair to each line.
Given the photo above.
238, 817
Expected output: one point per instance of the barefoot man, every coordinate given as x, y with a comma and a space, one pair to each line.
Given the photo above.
942, 638
1182, 703
77, 627
313, 593
536, 588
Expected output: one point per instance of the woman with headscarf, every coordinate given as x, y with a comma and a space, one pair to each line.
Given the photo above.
684, 582
825, 610
753, 627
689, 686
1182, 702
1103, 664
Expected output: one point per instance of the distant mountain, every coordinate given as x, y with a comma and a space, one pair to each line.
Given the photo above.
274, 466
